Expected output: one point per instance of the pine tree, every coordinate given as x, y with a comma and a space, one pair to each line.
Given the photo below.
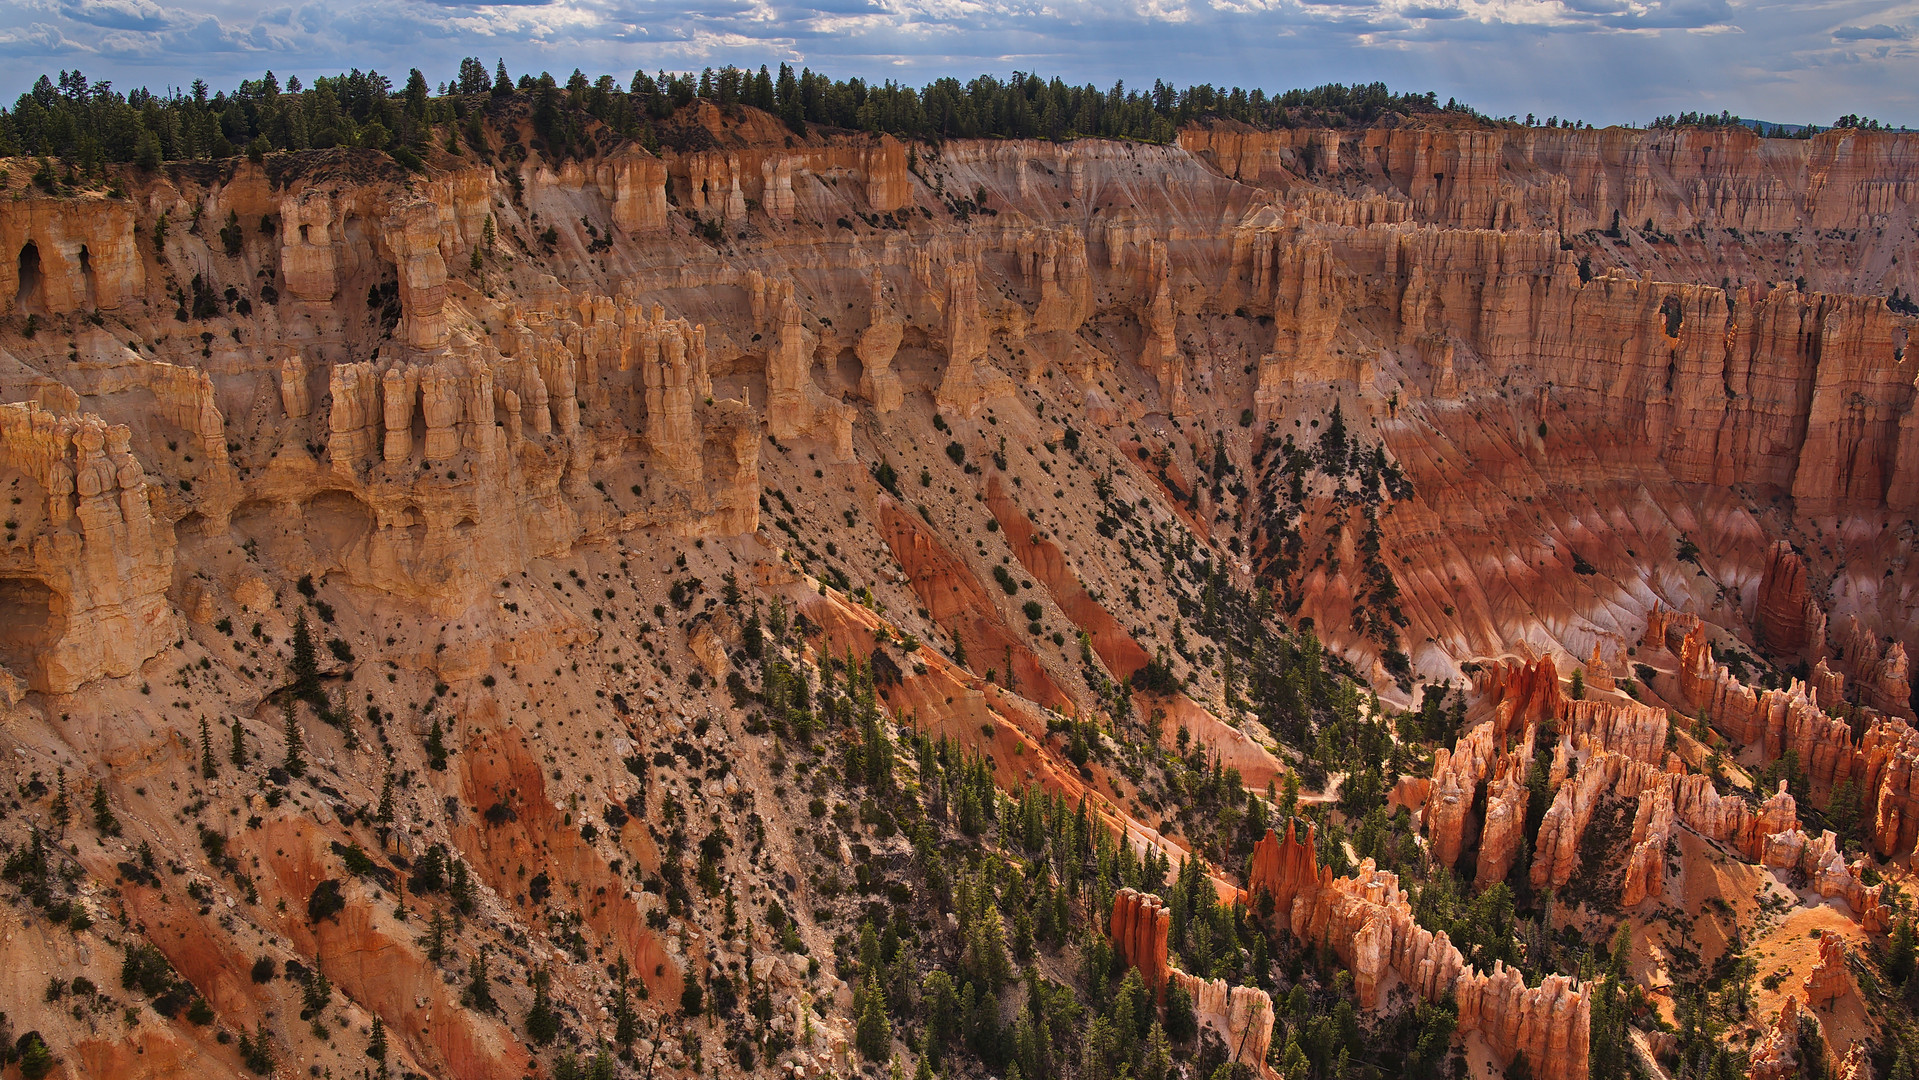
258, 1051
625, 1020
376, 1046
238, 755
542, 1025
479, 989
103, 820
874, 1031
436, 937
316, 995
1158, 1061
436, 748
386, 804
295, 763
305, 667
208, 768
62, 809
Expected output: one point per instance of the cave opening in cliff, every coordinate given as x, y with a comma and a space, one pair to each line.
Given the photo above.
28, 622
31, 279
86, 273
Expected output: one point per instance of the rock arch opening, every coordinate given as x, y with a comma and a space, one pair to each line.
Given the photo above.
31, 623
86, 276
32, 279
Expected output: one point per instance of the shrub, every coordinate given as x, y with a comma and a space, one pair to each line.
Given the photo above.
326, 901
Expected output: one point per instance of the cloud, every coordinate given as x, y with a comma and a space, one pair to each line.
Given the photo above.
118, 14
1601, 60
1875, 32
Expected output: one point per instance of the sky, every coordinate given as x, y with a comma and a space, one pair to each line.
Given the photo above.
1603, 61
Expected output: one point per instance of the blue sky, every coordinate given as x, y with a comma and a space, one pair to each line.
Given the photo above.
1606, 61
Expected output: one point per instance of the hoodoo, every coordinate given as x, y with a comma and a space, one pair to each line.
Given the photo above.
709, 579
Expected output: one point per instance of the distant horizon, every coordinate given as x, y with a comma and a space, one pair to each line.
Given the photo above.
1605, 62
397, 77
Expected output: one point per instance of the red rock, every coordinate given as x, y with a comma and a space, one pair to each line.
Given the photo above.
1773, 1056
1788, 619
1242, 1016
1830, 978
1368, 923
1138, 929
1651, 830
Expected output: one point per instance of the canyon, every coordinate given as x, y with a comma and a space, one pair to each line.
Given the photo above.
563, 517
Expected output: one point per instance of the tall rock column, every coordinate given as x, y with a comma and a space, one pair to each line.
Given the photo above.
1789, 621
788, 371
352, 419
307, 267
294, 395
878, 343
412, 234
83, 596
397, 391
1138, 928
966, 338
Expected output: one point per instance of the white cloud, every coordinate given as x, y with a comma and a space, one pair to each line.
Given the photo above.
1602, 60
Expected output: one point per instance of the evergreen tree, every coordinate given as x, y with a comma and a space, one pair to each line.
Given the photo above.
238, 753
376, 1045
479, 988
436, 937
316, 995
103, 820
436, 747
208, 767
295, 763
873, 1034
542, 1024
625, 1019
62, 809
305, 666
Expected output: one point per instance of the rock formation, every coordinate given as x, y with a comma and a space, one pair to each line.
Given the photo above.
1830, 977
1369, 924
1242, 1017
1775, 1056
69, 255
84, 574
1788, 619
1138, 928
499, 427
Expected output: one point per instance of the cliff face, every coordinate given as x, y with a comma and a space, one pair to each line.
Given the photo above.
508, 434
1575, 181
